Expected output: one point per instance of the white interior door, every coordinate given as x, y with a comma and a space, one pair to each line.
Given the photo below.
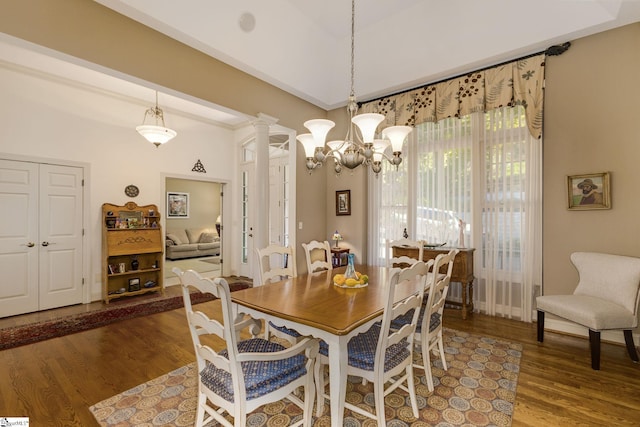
246, 218
60, 236
275, 214
40, 236
18, 237
279, 201
281, 191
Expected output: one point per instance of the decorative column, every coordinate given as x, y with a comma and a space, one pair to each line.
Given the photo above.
260, 201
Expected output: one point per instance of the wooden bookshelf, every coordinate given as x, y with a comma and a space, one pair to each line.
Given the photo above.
132, 250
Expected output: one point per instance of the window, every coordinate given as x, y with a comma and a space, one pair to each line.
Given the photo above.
475, 179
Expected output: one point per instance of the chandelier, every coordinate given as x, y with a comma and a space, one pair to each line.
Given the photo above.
156, 134
356, 149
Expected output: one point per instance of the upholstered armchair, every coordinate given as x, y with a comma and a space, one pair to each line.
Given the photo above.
606, 298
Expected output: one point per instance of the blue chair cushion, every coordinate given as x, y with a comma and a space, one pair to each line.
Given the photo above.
406, 318
284, 329
362, 350
260, 377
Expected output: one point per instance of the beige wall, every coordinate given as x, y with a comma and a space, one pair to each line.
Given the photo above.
591, 125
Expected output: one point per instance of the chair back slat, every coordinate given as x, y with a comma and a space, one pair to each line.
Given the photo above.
318, 256
437, 290
403, 260
276, 263
395, 309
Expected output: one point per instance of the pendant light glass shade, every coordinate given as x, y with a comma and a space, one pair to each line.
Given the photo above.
397, 135
157, 133
379, 147
319, 128
368, 123
308, 143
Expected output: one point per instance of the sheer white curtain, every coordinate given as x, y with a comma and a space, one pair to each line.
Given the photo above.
511, 245
389, 197
477, 178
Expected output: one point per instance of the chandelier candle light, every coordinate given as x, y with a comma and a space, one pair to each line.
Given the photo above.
354, 150
156, 134
336, 237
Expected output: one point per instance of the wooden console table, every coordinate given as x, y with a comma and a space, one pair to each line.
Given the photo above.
339, 256
462, 271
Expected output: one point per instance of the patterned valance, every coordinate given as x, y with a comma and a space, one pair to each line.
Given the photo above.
515, 83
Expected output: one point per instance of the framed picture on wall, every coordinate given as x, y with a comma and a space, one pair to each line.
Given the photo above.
177, 205
589, 191
343, 202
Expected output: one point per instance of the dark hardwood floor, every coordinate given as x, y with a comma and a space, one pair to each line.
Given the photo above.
55, 381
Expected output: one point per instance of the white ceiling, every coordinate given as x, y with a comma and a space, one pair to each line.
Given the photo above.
302, 46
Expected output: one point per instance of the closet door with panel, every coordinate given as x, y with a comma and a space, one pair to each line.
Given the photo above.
41, 239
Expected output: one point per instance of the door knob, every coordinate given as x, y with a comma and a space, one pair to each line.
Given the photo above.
45, 243
29, 245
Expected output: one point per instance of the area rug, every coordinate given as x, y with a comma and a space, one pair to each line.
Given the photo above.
114, 312
478, 389
201, 265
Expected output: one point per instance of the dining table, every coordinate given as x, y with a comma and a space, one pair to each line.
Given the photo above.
313, 306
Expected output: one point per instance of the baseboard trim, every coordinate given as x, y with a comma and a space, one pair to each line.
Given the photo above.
570, 328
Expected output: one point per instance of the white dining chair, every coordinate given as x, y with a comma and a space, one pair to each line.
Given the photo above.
246, 374
403, 260
277, 263
318, 256
429, 327
382, 354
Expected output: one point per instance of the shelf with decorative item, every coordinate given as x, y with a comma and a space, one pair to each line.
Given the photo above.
339, 256
132, 249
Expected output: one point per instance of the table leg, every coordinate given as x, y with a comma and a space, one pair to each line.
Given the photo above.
471, 294
464, 300
337, 379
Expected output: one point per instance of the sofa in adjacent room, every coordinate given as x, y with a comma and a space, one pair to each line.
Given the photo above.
192, 242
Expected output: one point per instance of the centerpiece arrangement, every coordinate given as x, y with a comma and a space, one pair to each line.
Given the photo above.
351, 278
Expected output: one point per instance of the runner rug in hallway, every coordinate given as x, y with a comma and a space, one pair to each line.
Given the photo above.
479, 389
118, 310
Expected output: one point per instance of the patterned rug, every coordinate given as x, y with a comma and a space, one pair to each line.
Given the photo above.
114, 312
478, 389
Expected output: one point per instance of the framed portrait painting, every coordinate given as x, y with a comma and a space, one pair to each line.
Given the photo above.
343, 202
177, 205
589, 191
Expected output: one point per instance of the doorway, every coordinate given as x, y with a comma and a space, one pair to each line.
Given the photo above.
193, 239
41, 236
282, 190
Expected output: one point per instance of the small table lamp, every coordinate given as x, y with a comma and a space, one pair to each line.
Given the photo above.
336, 237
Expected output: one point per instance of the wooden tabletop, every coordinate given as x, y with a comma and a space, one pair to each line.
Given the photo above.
313, 299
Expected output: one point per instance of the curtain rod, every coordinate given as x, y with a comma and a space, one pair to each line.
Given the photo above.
555, 50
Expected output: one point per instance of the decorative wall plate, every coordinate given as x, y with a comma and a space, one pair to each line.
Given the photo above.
131, 190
